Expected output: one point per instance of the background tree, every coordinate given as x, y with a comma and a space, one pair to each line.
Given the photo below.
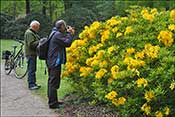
44, 7
77, 13
27, 7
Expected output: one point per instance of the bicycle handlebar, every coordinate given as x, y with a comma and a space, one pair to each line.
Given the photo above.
20, 41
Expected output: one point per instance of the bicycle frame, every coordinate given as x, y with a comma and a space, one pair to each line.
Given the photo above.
15, 56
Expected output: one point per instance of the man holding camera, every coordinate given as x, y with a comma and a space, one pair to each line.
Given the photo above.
62, 38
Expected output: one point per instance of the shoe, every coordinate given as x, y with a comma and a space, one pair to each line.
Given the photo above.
35, 87
60, 102
55, 106
39, 86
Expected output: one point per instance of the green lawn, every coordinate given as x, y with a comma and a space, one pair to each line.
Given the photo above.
65, 87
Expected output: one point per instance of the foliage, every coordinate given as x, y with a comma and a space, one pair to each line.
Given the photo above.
85, 12
76, 20
127, 62
14, 8
4, 19
17, 8
15, 29
120, 6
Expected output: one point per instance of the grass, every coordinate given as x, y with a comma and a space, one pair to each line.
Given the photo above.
41, 78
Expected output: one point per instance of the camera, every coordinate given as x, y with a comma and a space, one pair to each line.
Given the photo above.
69, 27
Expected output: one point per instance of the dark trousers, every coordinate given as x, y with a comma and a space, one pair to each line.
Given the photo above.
53, 84
31, 70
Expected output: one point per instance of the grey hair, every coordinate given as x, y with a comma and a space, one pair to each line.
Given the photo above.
59, 23
34, 22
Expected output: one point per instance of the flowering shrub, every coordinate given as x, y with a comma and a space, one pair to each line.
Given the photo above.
127, 63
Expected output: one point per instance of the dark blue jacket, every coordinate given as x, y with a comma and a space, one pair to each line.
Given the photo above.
56, 51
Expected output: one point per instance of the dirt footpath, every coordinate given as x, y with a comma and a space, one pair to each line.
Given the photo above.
17, 100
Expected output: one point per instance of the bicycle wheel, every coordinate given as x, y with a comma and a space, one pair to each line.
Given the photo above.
8, 66
20, 66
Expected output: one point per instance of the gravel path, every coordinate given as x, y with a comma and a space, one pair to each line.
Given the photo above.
17, 100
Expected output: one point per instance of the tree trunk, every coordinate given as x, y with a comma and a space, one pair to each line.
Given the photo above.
50, 9
67, 4
14, 9
44, 7
27, 7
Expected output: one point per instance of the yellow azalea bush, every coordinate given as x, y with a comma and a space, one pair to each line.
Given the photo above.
127, 63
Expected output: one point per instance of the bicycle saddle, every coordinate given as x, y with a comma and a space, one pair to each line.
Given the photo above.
14, 46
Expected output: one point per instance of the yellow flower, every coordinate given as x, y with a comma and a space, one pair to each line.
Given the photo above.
114, 30
132, 63
148, 17
141, 82
65, 74
84, 33
146, 108
139, 55
115, 102
172, 14
102, 64
166, 37
111, 49
149, 95
158, 114
70, 59
114, 71
119, 34
92, 49
99, 45
100, 54
110, 80
95, 25
122, 100
166, 110
144, 11
105, 35
85, 70
154, 11
89, 61
171, 27
94, 63
127, 60
100, 73
130, 50
118, 101
151, 51
124, 18
137, 72
128, 30
91, 34
111, 95
172, 86
113, 21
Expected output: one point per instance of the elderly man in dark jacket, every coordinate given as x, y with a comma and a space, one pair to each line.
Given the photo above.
62, 38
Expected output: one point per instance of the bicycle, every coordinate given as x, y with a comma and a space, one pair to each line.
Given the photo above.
15, 61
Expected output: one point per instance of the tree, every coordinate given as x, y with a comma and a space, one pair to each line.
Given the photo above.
67, 4
14, 9
27, 7
44, 7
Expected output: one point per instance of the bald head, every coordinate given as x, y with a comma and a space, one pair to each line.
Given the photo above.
35, 25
